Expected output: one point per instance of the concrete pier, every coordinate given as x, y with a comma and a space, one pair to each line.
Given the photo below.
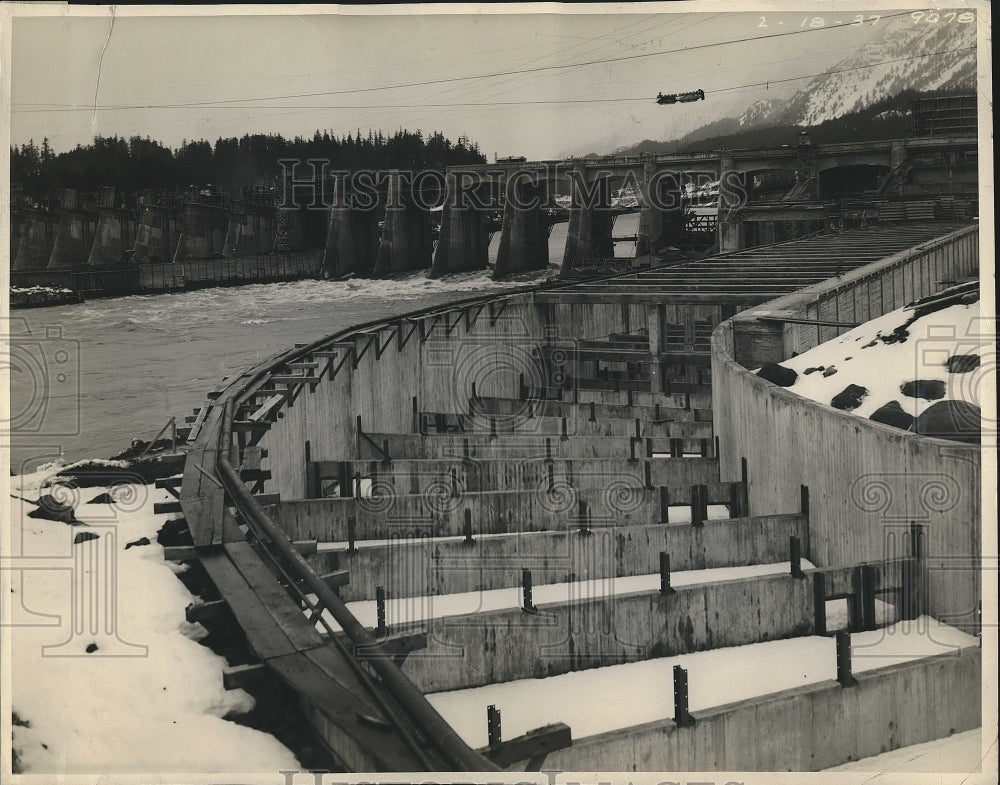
730, 224
352, 237
203, 233
524, 238
157, 235
406, 242
74, 235
590, 223
115, 236
250, 231
35, 243
658, 227
463, 243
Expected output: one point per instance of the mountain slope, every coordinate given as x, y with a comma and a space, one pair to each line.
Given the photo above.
867, 93
859, 81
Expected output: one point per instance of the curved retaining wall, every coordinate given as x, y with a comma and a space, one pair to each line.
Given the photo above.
867, 482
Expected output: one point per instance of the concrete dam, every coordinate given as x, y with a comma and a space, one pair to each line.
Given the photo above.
763, 196
492, 497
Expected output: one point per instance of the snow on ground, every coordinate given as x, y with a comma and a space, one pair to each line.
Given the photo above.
961, 752
837, 614
861, 358
618, 696
149, 698
402, 610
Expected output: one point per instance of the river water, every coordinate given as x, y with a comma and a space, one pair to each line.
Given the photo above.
88, 378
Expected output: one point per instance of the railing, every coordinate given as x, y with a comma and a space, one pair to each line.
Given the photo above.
289, 564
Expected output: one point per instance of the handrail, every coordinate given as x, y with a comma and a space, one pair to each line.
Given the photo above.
402, 690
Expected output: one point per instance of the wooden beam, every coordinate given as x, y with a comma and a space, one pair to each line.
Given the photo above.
532, 745
240, 676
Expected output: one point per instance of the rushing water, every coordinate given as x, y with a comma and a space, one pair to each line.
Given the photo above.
107, 371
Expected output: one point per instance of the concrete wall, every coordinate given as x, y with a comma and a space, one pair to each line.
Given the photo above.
417, 568
867, 481
606, 629
804, 729
616, 501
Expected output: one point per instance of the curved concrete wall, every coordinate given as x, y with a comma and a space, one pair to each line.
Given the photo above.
867, 482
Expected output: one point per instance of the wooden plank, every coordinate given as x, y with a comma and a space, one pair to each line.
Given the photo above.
282, 611
265, 408
532, 745
265, 636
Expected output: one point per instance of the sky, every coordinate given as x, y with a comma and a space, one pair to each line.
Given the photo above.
584, 82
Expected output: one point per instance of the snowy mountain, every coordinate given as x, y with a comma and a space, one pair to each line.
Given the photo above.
906, 49
759, 110
905, 60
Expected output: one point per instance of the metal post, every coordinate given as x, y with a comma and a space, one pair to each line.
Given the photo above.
819, 602
665, 587
526, 602
682, 717
699, 504
795, 557
664, 505
351, 534
583, 519
493, 725
647, 476
563, 430
381, 630
804, 499
467, 527
593, 416
676, 448
844, 675
868, 597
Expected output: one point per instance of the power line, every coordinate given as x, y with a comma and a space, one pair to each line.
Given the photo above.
552, 102
601, 61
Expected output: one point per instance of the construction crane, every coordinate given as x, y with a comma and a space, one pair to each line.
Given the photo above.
683, 98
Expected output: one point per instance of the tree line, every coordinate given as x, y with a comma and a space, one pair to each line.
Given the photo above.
140, 163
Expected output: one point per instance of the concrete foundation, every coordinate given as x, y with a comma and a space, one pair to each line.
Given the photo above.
406, 241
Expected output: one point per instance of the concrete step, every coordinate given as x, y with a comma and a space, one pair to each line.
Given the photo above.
418, 567
383, 446
423, 476
680, 407
567, 426
561, 508
594, 623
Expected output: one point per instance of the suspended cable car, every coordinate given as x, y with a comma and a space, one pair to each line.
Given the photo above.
683, 98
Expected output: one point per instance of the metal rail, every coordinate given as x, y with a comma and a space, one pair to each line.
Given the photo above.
415, 711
